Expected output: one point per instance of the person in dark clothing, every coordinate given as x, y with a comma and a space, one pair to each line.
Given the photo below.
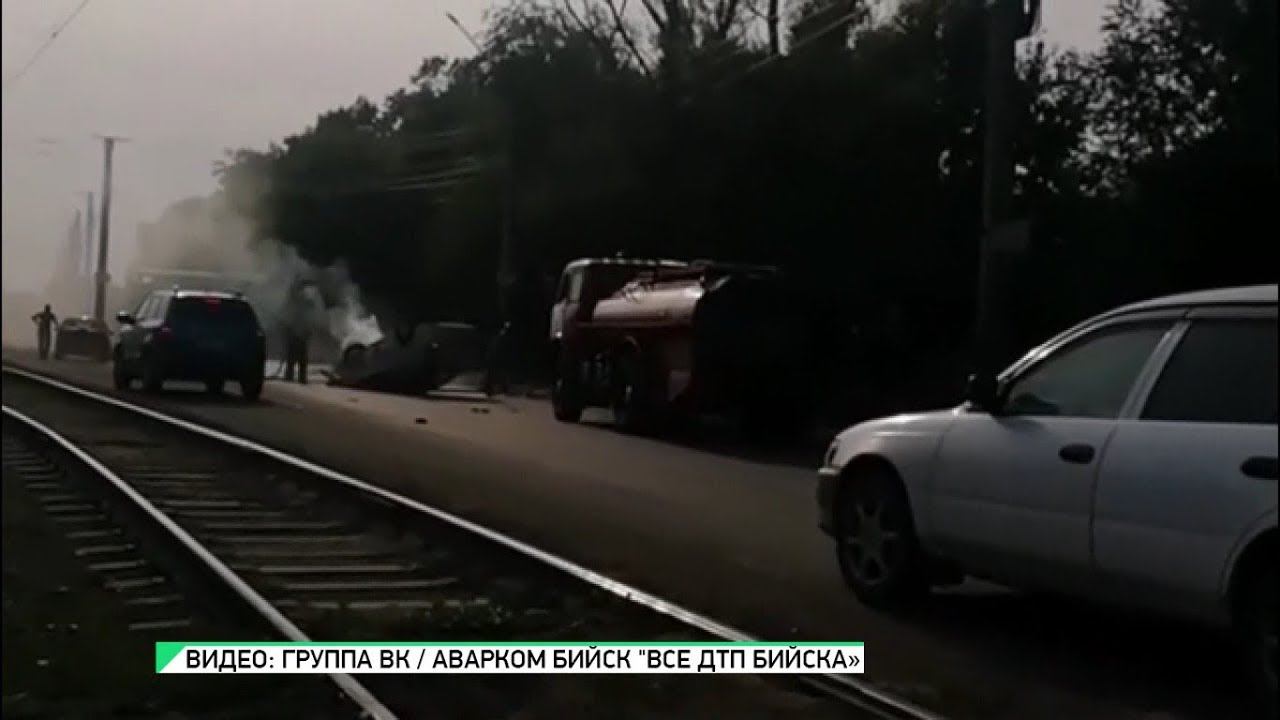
296, 328
498, 373
45, 321
295, 355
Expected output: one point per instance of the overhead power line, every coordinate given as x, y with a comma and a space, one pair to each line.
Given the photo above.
45, 45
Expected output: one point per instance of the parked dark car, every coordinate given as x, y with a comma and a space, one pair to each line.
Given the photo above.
83, 337
193, 335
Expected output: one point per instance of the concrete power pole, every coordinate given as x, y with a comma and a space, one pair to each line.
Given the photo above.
101, 279
1007, 22
86, 266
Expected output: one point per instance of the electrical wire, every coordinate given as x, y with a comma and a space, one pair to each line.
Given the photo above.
45, 46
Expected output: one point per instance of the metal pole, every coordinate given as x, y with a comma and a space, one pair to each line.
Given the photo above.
100, 278
1005, 24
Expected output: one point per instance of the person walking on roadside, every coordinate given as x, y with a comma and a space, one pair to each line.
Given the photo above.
45, 321
497, 377
297, 334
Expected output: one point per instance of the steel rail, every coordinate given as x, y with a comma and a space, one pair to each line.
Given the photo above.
365, 700
851, 690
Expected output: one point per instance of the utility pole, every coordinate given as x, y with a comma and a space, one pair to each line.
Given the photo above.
75, 249
101, 278
1007, 22
86, 265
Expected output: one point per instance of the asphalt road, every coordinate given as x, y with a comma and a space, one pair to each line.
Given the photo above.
730, 533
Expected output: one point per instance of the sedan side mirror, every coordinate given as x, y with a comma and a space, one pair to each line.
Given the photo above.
981, 392
124, 318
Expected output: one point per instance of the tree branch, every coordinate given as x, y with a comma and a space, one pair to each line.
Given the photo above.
726, 19
653, 13
775, 43
621, 29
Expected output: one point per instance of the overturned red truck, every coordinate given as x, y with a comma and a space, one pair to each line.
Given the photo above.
658, 341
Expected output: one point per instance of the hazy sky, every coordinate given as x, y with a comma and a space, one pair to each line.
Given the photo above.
183, 79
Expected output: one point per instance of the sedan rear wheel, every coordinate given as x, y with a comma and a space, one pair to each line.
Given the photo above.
876, 544
1259, 638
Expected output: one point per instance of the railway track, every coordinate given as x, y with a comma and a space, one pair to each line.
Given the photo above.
315, 553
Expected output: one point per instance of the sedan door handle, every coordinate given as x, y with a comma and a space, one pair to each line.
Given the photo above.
1078, 453
1263, 468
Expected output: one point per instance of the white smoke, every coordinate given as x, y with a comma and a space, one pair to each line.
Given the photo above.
348, 320
204, 234
336, 305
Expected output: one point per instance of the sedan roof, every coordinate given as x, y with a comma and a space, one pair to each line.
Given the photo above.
1247, 295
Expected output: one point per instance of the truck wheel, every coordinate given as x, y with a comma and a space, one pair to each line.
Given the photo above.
566, 394
631, 411
876, 544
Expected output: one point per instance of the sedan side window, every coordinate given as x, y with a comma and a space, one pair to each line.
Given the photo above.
1223, 371
1090, 377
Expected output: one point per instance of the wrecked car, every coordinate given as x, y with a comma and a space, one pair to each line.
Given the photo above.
415, 361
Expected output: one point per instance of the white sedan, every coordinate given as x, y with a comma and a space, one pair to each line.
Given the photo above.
1130, 459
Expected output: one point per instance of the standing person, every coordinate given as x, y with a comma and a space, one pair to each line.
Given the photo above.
497, 376
297, 334
45, 321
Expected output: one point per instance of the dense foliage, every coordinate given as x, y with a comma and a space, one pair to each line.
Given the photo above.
840, 143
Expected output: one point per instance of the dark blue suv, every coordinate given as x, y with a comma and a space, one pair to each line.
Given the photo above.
194, 335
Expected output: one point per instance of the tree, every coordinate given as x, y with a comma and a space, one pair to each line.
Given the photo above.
851, 158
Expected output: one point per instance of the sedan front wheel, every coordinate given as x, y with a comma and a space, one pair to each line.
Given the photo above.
876, 544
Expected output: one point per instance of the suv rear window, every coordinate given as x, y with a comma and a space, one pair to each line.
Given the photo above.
213, 313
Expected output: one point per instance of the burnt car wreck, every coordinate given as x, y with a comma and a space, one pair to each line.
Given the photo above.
413, 361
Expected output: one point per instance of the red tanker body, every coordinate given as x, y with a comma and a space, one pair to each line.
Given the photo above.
653, 339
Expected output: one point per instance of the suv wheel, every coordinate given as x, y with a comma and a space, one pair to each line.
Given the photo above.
215, 387
876, 544
119, 375
251, 388
152, 377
